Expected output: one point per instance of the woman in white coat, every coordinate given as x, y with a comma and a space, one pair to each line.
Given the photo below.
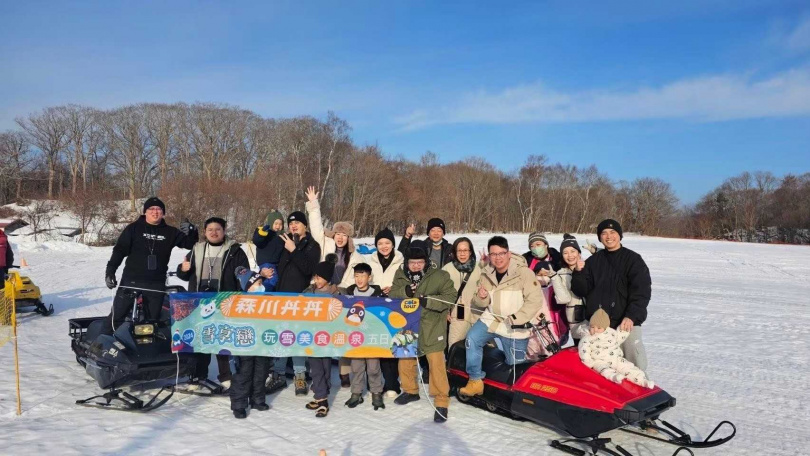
561, 282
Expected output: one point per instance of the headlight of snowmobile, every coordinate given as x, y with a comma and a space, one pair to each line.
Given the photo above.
144, 330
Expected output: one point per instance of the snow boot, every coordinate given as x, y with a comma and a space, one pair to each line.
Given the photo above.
345, 382
300, 385
240, 414
275, 382
260, 407
405, 398
354, 401
440, 416
473, 388
377, 401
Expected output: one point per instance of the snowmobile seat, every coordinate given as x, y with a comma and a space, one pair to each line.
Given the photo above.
94, 329
495, 366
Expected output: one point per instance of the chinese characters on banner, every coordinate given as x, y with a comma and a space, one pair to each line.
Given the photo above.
267, 324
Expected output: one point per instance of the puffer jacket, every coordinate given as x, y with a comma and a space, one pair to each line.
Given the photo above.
433, 319
603, 348
561, 282
379, 277
469, 290
519, 294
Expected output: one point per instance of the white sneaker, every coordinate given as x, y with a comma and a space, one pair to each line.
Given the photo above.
391, 394
193, 386
226, 385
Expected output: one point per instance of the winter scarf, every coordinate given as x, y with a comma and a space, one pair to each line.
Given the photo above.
385, 262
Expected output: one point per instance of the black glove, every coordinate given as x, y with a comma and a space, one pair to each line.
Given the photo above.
111, 282
187, 227
267, 228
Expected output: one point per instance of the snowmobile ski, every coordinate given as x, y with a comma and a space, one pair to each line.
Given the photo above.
679, 437
596, 445
118, 399
42, 309
206, 388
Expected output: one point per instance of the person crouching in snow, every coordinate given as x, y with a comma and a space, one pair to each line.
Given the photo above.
600, 349
321, 368
247, 387
365, 368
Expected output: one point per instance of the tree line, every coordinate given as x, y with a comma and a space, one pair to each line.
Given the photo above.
207, 159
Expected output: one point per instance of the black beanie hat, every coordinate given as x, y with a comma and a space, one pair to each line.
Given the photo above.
154, 201
416, 253
435, 222
609, 223
297, 216
385, 233
569, 241
326, 269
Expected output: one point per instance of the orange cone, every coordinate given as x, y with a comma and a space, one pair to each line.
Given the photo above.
23, 263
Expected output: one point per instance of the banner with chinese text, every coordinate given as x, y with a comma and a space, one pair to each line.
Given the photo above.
285, 324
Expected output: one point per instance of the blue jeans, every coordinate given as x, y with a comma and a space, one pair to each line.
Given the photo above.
478, 336
299, 365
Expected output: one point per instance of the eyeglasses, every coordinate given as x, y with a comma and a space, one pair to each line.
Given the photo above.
499, 255
462, 251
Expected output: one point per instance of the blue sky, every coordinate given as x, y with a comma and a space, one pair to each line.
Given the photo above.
689, 91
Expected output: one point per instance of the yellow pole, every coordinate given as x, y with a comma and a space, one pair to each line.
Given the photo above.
16, 356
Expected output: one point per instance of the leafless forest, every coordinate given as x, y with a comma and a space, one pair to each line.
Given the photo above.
208, 159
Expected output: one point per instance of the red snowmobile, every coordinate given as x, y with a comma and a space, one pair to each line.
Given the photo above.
560, 392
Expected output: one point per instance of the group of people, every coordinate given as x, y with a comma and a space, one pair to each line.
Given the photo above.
463, 298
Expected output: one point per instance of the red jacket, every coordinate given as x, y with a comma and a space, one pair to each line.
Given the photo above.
6, 255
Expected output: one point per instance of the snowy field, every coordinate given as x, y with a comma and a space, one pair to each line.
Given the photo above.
727, 335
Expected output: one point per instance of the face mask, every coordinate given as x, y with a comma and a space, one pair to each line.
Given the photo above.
539, 252
438, 243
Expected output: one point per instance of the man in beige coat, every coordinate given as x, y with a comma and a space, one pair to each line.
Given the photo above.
509, 294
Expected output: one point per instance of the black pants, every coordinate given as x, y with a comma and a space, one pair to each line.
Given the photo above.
390, 371
125, 300
201, 362
247, 386
321, 371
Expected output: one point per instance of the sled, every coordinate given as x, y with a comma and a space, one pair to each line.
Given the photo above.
25, 293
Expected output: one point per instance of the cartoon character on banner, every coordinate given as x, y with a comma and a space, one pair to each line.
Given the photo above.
355, 314
208, 308
404, 344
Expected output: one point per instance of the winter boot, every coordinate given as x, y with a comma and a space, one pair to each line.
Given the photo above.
300, 384
377, 401
405, 398
345, 381
275, 382
473, 388
440, 416
354, 401
240, 414
260, 407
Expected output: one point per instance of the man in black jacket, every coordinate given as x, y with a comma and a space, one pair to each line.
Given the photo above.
211, 267
295, 268
440, 252
147, 245
618, 281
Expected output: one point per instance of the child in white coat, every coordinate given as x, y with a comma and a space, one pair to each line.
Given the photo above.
600, 349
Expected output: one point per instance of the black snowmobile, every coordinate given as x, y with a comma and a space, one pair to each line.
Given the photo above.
560, 392
138, 352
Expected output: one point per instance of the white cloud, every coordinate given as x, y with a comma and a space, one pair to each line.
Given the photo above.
712, 98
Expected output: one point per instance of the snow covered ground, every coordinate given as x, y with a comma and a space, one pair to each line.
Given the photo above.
726, 335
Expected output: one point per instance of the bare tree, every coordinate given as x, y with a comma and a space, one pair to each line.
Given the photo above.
49, 132
14, 160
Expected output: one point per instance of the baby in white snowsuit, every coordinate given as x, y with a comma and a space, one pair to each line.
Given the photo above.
602, 352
